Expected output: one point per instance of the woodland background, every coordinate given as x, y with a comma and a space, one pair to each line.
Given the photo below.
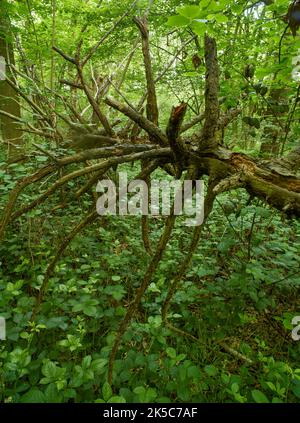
138, 309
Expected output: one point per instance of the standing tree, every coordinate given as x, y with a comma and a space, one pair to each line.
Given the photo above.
9, 98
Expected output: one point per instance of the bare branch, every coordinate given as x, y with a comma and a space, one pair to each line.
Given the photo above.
151, 109
127, 64
46, 153
16, 192
71, 84
94, 103
33, 105
115, 151
197, 119
90, 169
228, 117
85, 188
12, 117
157, 79
167, 67
64, 55
144, 123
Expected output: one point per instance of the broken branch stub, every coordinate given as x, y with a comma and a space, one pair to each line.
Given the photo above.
173, 132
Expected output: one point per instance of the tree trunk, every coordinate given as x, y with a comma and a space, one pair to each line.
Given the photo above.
9, 99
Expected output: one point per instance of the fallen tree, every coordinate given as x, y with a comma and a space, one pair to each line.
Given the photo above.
192, 157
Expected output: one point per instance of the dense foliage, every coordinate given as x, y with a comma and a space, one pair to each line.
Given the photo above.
229, 338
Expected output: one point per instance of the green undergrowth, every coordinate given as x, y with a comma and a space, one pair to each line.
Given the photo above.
235, 306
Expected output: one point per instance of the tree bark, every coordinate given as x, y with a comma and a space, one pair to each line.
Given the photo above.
11, 134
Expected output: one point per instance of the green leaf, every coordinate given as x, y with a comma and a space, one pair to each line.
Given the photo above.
163, 400
117, 399
77, 377
41, 159
199, 27
178, 21
277, 400
35, 395
106, 391
86, 361
56, 322
49, 369
114, 291
193, 372
226, 244
221, 18
237, 8
180, 357
189, 11
150, 396
98, 365
205, 3
171, 352
259, 396
271, 386
296, 388
116, 278
139, 390
51, 394
235, 388
211, 370
90, 310
191, 74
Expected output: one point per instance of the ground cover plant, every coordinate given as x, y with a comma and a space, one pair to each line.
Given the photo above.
145, 308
